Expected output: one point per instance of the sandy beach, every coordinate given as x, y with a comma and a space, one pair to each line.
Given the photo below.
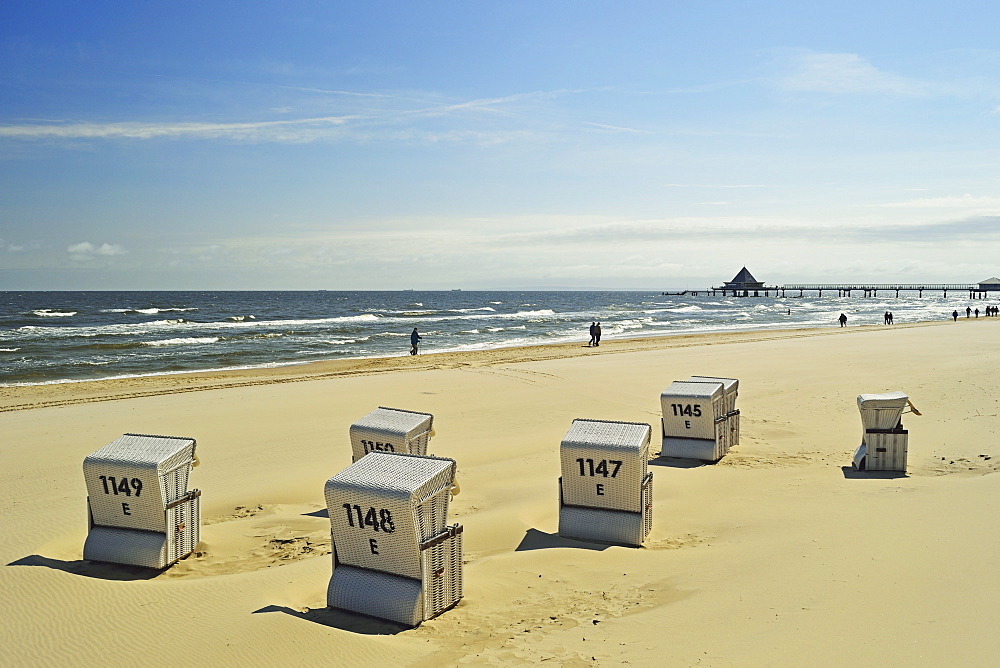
777, 555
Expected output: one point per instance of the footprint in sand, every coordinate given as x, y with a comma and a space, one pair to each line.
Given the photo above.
252, 538
982, 464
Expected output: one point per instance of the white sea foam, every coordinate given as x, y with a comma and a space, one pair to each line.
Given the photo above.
194, 340
49, 313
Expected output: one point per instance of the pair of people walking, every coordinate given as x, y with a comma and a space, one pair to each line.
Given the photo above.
595, 334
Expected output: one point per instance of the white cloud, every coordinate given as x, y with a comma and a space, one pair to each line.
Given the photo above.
11, 248
87, 249
966, 201
845, 73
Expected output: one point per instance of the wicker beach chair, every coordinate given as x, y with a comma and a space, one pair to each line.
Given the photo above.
605, 491
139, 507
884, 442
730, 391
394, 554
696, 424
391, 430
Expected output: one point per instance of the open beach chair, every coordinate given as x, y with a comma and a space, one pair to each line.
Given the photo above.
884, 442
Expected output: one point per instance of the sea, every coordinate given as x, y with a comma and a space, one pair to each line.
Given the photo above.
58, 337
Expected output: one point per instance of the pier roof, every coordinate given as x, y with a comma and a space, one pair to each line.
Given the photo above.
744, 278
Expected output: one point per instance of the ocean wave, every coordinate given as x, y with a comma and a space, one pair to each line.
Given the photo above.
49, 313
240, 318
9, 350
191, 340
472, 310
154, 310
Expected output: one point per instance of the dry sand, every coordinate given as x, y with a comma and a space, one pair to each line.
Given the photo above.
776, 555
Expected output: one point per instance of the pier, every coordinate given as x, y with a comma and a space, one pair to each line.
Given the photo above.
847, 290
745, 285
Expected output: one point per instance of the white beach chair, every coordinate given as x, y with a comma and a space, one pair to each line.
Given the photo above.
730, 391
884, 442
696, 424
140, 510
605, 492
391, 430
394, 554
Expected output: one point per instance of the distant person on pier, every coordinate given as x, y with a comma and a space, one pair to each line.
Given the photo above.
593, 328
597, 334
843, 320
414, 340
954, 316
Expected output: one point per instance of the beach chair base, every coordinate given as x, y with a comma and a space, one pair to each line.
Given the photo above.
882, 450
130, 547
401, 599
614, 527
691, 448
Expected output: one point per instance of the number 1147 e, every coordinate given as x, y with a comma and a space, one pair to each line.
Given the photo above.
599, 468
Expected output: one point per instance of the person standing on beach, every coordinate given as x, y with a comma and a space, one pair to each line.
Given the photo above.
593, 328
886, 317
843, 320
954, 316
890, 317
597, 334
968, 311
414, 340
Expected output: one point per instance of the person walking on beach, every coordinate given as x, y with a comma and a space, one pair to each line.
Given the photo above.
968, 311
890, 317
597, 334
414, 339
954, 316
885, 317
843, 320
977, 313
593, 328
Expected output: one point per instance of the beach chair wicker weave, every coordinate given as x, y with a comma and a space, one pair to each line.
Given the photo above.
884, 443
605, 487
696, 424
140, 510
730, 391
395, 555
391, 430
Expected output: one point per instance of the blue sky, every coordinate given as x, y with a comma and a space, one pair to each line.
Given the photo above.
436, 145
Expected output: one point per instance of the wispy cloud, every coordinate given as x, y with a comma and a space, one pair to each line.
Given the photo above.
845, 73
966, 201
715, 185
86, 250
617, 128
301, 130
394, 118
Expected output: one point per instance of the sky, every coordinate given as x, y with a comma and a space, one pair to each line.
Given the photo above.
496, 145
